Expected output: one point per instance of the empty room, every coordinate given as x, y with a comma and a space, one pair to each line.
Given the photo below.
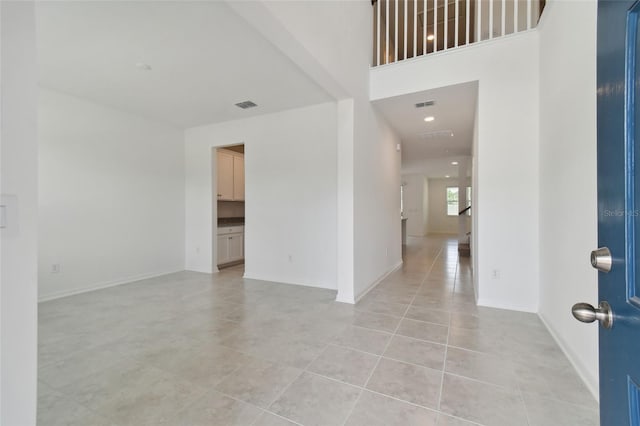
387, 212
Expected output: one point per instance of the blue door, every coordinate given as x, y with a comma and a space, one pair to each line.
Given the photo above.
618, 213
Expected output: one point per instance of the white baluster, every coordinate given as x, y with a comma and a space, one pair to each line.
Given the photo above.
378, 34
386, 46
446, 24
395, 38
479, 16
424, 27
491, 19
457, 18
415, 28
466, 20
406, 23
504, 16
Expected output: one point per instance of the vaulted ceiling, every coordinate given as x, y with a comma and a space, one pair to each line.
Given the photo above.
203, 59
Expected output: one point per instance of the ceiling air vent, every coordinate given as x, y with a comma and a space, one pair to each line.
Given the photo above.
246, 105
425, 104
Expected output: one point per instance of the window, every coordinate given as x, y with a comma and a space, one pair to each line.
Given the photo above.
452, 201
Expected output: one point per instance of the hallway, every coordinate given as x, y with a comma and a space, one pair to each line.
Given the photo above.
195, 349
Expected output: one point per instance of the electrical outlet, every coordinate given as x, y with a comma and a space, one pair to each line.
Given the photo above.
55, 268
495, 274
290, 259
197, 249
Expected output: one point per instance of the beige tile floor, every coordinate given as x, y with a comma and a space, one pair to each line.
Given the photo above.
194, 349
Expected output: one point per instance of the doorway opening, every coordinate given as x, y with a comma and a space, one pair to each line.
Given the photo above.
229, 197
438, 133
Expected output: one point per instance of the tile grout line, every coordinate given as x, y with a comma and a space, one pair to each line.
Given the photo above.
435, 278
403, 318
364, 387
432, 342
75, 401
524, 404
266, 410
279, 395
361, 388
446, 349
435, 410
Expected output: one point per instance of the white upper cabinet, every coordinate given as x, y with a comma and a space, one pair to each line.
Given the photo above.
225, 176
230, 166
238, 178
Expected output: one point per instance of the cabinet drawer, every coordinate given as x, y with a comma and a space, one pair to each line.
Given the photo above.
230, 230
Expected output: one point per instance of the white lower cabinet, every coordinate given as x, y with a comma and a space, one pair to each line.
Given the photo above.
236, 249
230, 244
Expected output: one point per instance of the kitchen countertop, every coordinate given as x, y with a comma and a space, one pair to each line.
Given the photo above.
230, 221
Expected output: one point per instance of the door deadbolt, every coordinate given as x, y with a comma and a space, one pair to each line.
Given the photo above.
601, 259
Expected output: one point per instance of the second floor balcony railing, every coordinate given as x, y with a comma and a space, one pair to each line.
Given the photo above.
404, 29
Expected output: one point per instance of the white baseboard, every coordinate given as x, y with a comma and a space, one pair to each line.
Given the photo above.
261, 277
341, 299
590, 381
105, 284
378, 281
497, 305
204, 269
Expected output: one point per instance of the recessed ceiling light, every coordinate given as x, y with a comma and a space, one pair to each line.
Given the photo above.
429, 118
143, 66
447, 176
454, 163
430, 37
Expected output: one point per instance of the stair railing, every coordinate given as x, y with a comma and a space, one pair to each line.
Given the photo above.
405, 29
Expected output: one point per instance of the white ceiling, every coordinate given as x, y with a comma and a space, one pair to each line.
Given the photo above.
204, 59
429, 148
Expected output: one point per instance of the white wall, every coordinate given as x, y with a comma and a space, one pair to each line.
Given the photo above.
369, 243
439, 221
414, 204
345, 220
425, 203
568, 196
506, 208
111, 196
369, 172
464, 181
378, 239
342, 48
474, 202
19, 174
290, 193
